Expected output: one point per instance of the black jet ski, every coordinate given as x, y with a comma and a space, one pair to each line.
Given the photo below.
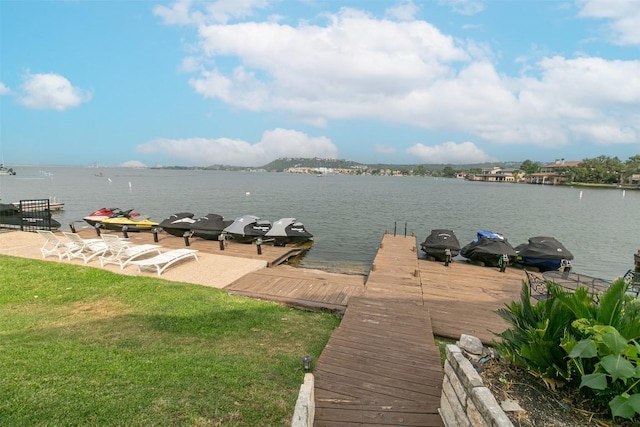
544, 253
489, 249
210, 226
442, 245
178, 223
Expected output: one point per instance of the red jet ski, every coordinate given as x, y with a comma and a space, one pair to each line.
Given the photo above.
103, 213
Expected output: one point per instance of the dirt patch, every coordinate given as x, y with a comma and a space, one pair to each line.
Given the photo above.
543, 407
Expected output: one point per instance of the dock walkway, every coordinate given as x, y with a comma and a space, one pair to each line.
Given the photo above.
382, 366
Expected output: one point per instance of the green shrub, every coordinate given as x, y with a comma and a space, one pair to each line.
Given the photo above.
569, 336
532, 342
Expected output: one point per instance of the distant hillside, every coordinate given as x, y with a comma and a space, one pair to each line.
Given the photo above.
281, 164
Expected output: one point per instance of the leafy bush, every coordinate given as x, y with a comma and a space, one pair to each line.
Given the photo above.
600, 339
533, 340
616, 374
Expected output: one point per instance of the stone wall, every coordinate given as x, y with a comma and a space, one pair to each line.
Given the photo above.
465, 401
304, 412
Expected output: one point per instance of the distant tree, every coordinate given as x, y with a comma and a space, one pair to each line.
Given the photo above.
476, 170
448, 172
631, 167
529, 167
599, 170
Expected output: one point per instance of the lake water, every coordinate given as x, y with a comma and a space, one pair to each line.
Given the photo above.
348, 214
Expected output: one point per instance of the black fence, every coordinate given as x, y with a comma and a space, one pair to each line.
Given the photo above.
36, 215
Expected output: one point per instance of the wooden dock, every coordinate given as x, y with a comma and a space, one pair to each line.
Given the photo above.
381, 366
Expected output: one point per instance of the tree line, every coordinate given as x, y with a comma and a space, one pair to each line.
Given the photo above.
598, 170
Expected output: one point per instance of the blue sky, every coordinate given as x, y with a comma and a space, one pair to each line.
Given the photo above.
243, 82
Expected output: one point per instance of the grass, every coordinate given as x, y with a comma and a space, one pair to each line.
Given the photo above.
442, 343
84, 346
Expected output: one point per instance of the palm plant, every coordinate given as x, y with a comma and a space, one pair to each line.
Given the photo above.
532, 341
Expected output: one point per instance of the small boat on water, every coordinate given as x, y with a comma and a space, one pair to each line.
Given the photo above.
178, 223
4, 171
544, 253
12, 217
247, 228
210, 226
288, 230
441, 244
489, 249
103, 213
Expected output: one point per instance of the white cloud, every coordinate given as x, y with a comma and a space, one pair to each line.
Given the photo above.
4, 90
50, 92
178, 13
356, 66
403, 11
133, 164
622, 18
348, 69
273, 145
450, 152
183, 12
464, 7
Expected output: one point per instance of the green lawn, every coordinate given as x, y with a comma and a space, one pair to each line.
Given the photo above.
82, 346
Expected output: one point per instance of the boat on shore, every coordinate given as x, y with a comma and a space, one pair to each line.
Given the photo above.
5, 171
247, 228
288, 230
12, 217
544, 253
441, 245
104, 213
178, 223
489, 249
135, 224
210, 226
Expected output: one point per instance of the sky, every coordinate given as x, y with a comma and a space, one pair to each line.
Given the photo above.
244, 82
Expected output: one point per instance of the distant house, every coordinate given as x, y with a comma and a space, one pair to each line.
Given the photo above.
496, 174
549, 175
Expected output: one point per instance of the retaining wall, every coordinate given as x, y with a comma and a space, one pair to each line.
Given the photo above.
465, 401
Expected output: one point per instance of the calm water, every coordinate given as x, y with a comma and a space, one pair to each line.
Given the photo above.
348, 214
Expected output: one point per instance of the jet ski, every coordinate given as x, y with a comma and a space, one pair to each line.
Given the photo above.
544, 253
177, 224
210, 226
133, 223
441, 244
489, 249
103, 213
247, 228
288, 230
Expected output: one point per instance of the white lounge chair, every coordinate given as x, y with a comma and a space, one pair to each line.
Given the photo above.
52, 245
121, 252
160, 263
85, 249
